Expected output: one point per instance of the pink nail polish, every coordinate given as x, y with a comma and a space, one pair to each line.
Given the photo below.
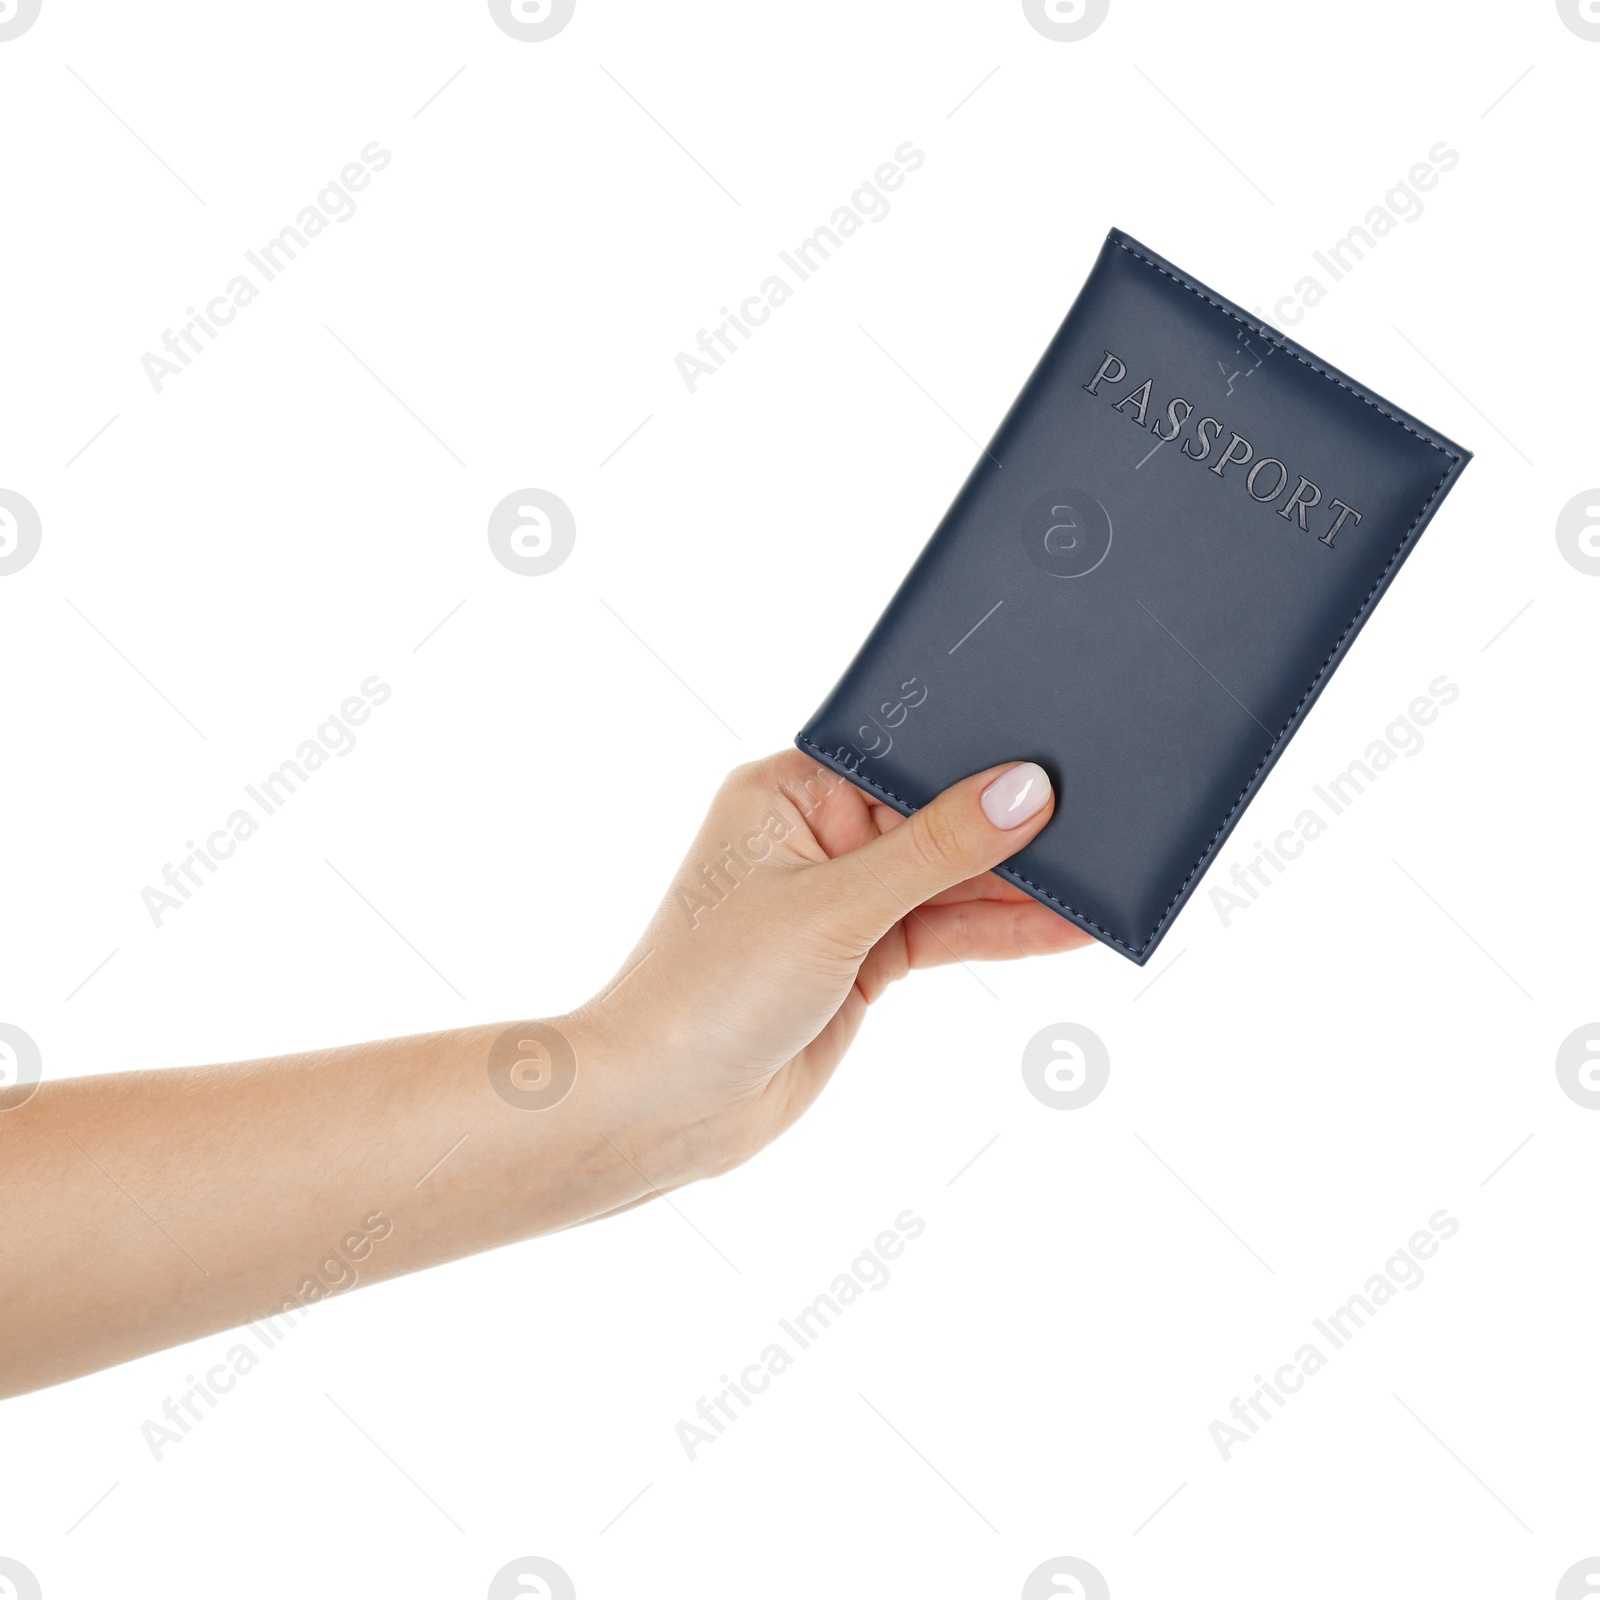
1016, 795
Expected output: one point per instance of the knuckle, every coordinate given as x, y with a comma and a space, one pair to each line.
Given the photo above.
766, 773
936, 840
961, 933
742, 780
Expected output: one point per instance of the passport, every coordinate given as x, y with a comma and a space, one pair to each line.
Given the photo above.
1149, 576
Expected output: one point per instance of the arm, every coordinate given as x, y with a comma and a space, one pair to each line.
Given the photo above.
146, 1209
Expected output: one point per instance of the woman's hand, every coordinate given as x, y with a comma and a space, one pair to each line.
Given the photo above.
799, 903
149, 1208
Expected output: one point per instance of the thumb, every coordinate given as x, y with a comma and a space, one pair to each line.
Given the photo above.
972, 826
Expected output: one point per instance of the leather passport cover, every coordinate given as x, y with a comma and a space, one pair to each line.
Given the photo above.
1168, 546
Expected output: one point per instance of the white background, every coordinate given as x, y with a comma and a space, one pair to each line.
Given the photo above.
1291, 1095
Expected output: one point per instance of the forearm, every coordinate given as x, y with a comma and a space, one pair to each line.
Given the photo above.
145, 1209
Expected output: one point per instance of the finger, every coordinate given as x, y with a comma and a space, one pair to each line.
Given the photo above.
985, 886
986, 930
980, 930
969, 828
838, 815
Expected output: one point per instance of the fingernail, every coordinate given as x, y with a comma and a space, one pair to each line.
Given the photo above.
1016, 795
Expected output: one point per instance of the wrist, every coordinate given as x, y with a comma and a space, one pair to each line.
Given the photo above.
624, 1096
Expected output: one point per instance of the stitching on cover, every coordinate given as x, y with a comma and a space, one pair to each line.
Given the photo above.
1288, 349
1455, 461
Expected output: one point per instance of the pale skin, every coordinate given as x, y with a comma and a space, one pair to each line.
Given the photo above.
145, 1209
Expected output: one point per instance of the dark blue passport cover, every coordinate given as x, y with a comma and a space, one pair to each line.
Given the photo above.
1147, 579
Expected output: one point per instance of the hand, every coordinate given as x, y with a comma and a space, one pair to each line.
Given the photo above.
801, 900
251, 1190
